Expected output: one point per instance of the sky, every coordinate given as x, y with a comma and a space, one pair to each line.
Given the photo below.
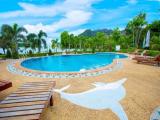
55, 16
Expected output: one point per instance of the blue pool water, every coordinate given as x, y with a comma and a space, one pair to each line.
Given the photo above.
71, 63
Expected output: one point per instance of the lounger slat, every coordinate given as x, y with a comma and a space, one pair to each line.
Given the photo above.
22, 104
28, 117
35, 91
21, 108
17, 113
24, 100
35, 85
38, 87
28, 102
29, 89
44, 82
26, 97
29, 94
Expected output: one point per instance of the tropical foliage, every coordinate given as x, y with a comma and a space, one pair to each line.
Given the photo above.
12, 37
132, 37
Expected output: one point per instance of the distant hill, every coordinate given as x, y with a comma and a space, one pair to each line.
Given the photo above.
90, 33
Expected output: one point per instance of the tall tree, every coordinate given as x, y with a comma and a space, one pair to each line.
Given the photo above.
31, 41
4, 44
54, 43
136, 26
100, 39
40, 40
14, 34
65, 40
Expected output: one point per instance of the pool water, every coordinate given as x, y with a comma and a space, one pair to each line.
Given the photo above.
71, 63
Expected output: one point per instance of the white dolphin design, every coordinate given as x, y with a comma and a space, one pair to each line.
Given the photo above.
103, 96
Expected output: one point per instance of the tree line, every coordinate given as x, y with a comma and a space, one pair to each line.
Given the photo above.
133, 36
12, 37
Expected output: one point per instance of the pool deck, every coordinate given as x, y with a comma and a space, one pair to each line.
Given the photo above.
142, 92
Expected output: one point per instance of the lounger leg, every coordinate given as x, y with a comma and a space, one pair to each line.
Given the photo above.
51, 101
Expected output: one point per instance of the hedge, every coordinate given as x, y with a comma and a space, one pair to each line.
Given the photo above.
152, 53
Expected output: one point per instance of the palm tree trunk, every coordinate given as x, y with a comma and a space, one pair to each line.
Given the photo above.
4, 50
133, 39
39, 49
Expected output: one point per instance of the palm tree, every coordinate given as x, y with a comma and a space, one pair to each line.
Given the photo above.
14, 34
41, 40
136, 26
54, 44
31, 41
3, 44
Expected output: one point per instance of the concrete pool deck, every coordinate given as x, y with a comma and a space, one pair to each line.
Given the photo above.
142, 92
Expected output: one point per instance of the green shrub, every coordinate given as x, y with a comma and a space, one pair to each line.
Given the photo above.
15, 55
124, 50
2, 56
93, 50
152, 53
30, 53
155, 47
50, 52
8, 55
155, 43
129, 50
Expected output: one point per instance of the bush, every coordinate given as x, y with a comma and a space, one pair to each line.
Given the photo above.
93, 50
129, 50
2, 56
155, 47
155, 43
152, 53
15, 55
30, 53
8, 55
50, 52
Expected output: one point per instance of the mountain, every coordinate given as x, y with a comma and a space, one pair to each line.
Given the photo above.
90, 33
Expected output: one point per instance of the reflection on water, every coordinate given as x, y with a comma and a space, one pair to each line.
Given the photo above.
103, 96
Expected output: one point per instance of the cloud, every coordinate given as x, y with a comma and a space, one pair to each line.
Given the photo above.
77, 32
72, 13
132, 1
71, 19
49, 10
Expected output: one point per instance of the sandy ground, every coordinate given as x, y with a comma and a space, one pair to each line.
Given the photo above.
142, 93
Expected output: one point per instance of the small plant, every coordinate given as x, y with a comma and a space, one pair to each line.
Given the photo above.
50, 52
8, 55
15, 55
30, 53
93, 50
152, 53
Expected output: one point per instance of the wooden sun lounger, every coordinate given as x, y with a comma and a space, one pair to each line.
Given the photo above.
4, 84
149, 61
28, 102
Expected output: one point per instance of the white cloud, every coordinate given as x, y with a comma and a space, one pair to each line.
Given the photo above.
71, 19
73, 13
132, 1
49, 10
77, 32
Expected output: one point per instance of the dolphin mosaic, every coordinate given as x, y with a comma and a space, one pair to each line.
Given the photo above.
103, 96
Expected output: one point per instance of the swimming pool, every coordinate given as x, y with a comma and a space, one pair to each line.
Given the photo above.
71, 63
